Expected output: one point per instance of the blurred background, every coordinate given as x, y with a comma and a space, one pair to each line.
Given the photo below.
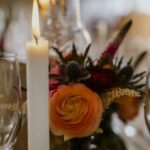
102, 19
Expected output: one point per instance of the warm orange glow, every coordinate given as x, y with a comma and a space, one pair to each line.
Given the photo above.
62, 4
53, 2
43, 3
35, 20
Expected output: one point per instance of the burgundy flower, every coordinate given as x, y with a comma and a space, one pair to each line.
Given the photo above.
111, 49
69, 57
53, 82
102, 79
114, 45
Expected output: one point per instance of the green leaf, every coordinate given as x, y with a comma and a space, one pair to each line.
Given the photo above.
139, 75
89, 62
74, 52
136, 81
59, 54
119, 63
139, 86
139, 59
130, 61
86, 52
124, 30
115, 62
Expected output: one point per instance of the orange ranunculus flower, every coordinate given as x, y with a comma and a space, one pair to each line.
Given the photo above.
128, 107
75, 111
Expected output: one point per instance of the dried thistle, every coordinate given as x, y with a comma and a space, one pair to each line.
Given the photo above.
116, 93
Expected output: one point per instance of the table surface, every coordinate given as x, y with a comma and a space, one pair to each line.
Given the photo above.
135, 134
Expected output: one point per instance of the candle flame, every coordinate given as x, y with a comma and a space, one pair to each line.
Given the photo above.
35, 20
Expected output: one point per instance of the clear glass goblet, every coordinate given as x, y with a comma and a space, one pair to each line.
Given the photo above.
147, 101
10, 100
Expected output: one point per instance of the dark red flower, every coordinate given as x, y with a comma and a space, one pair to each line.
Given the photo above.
69, 57
102, 79
53, 83
114, 45
112, 48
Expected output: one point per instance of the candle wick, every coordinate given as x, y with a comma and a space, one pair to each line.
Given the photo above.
36, 39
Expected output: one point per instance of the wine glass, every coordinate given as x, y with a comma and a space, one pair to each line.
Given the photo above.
147, 101
10, 100
78, 33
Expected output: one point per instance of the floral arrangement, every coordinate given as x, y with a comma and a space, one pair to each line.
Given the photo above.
81, 90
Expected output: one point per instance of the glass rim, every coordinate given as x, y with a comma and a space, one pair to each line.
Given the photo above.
7, 55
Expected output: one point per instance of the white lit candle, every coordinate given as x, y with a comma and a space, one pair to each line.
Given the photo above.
37, 88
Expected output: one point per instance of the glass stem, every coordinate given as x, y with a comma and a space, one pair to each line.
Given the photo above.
79, 33
74, 12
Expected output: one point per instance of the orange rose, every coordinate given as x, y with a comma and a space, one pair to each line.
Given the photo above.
128, 107
75, 111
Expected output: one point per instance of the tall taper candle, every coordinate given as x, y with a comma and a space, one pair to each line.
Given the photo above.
37, 88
